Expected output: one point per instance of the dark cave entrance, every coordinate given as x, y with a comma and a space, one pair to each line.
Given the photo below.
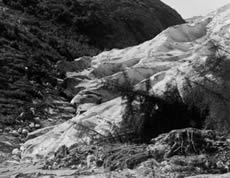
159, 116
164, 117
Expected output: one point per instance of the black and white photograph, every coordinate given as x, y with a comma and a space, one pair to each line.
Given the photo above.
114, 89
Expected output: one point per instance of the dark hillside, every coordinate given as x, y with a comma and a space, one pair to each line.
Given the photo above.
102, 23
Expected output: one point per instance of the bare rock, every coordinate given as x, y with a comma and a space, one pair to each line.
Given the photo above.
16, 152
32, 125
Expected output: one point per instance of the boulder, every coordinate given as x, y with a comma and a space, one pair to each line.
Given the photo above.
81, 129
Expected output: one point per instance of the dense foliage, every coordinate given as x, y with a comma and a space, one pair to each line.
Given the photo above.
29, 49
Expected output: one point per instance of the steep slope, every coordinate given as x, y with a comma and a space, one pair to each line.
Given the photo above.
188, 62
35, 35
106, 24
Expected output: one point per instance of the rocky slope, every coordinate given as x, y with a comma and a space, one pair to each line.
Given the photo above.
189, 61
187, 64
179, 153
38, 35
182, 78
35, 35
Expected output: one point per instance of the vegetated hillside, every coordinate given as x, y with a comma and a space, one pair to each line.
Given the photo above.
35, 34
104, 23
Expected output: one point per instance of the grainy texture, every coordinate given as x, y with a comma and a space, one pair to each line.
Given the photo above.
36, 34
